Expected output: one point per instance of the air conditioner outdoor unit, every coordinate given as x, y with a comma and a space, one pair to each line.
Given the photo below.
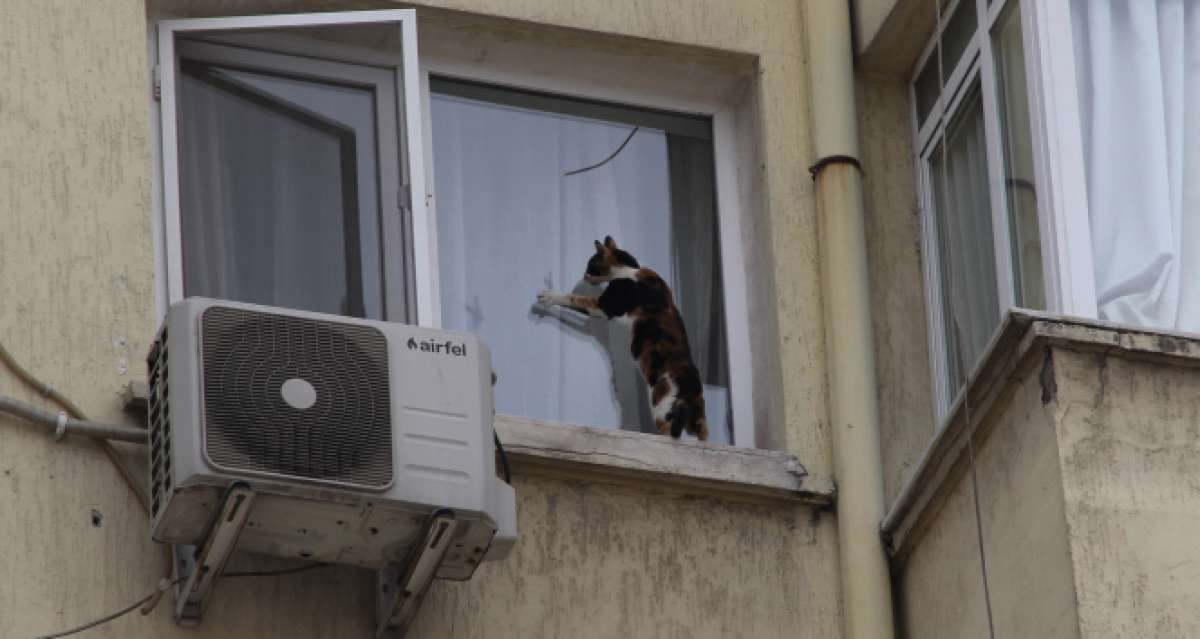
350, 433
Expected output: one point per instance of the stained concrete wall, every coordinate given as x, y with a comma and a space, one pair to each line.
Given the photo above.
1012, 553
869, 16
1083, 467
77, 305
889, 35
602, 561
1023, 529
1129, 435
939, 589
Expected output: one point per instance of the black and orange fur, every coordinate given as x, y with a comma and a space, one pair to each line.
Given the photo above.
660, 344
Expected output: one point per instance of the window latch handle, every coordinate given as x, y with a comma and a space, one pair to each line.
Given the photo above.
404, 197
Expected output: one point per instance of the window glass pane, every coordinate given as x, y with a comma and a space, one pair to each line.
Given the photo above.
957, 35
966, 253
510, 223
1019, 181
278, 191
927, 88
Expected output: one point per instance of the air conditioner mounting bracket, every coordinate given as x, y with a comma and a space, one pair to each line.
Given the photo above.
218, 543
403, 588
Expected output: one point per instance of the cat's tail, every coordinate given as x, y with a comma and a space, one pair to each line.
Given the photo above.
688, 414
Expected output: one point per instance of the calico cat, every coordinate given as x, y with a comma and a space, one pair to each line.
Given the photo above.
660, 345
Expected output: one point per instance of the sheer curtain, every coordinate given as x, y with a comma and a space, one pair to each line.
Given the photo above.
510, 223
303, 234
1138, 68
966, 251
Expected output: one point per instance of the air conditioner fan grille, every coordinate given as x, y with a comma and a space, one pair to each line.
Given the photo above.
343, 437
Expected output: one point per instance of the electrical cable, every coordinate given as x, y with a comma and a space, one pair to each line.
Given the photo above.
61, 424
120, 613
163, 586
503, 458
49, 392
114, 456
273, 573
607, 159
957, 333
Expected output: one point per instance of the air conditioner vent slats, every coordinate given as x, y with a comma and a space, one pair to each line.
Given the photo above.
344, 437
159, 425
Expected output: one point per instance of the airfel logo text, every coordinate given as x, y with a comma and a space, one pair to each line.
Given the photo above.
442, 348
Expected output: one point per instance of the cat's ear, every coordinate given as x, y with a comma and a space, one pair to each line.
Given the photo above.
609, 242
599, 246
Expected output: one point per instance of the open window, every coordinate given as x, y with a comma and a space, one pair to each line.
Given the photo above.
291, 146
286, 176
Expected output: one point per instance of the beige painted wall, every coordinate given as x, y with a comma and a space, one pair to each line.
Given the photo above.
77, 283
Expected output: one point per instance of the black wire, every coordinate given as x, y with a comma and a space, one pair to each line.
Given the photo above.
503, 458
103, 620
272, 573
124, 611
607, 159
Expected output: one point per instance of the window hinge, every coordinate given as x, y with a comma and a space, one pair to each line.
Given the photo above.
404, 196
156, 91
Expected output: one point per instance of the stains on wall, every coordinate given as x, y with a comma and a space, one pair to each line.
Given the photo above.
77, 291
599, 560
897, 289
997, 537
1129, 432
1084, 471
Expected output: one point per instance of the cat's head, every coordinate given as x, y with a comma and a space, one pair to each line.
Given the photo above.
609, 263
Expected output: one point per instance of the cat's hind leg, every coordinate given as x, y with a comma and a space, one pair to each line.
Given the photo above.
662, 398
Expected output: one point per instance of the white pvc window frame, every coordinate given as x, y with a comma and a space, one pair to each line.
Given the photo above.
399, 128
1058, 162
559, 79
1058, 158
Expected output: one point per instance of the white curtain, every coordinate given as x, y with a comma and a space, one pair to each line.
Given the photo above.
510, 223
1138, 65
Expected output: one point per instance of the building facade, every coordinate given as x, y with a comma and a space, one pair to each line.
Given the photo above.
847, 200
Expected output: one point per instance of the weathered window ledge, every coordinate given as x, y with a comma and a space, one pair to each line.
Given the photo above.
659, 462
1022, 342
628, 457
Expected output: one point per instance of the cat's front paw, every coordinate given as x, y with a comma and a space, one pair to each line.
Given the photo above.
550, 298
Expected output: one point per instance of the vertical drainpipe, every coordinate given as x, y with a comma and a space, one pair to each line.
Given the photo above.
853, 405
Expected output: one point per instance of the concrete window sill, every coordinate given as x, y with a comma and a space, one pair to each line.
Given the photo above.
658, 462
651, 461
